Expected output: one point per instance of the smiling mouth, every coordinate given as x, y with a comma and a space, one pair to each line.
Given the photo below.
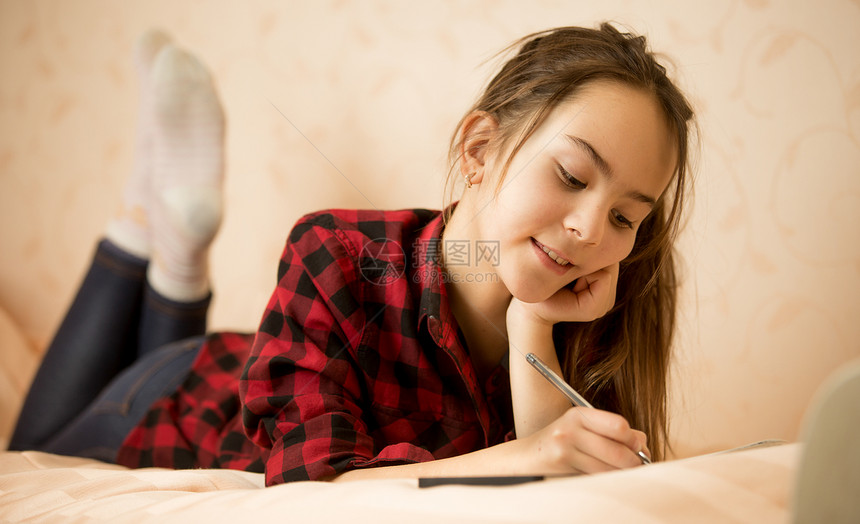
552, 254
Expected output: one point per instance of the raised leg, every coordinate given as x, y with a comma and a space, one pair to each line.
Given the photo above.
148, 284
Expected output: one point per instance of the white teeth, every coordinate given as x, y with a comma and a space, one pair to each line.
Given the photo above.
560, 261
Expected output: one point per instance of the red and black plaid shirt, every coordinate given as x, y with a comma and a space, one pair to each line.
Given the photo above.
358, 362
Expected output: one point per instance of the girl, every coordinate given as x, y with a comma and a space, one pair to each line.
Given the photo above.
394, 342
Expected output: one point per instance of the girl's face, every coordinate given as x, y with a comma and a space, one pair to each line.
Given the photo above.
580, 187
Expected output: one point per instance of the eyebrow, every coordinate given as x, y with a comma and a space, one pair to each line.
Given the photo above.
604, 167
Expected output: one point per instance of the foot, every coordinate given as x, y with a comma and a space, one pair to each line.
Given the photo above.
188, 152
129, 228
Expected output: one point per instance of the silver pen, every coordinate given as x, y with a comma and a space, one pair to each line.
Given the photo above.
571, 394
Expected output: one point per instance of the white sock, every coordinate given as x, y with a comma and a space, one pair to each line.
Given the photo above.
129, 228
188, 146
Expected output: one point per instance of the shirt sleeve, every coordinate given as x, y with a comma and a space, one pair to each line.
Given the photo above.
302, 388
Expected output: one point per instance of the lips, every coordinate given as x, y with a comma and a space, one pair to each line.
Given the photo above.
560, 260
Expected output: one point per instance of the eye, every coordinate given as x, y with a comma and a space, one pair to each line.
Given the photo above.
570, 180
621, 221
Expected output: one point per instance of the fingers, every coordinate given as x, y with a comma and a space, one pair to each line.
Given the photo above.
590, 297
591, 441
609, 436
594, 294
609, 425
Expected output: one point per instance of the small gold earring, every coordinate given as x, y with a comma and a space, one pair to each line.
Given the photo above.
469, 179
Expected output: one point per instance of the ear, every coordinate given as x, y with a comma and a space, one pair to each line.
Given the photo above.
478, 131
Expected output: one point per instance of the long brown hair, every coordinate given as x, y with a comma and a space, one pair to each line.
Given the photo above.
619, 362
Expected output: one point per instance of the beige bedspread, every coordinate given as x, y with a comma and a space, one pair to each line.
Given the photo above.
745, 486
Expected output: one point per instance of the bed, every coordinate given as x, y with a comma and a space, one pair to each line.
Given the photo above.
743, 486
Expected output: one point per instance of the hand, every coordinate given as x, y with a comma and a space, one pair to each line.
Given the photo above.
582, 440
589, 298
585, 440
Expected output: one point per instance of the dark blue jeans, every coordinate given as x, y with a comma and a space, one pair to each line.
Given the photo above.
120, 347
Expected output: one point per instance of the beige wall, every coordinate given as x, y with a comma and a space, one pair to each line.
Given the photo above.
371, 91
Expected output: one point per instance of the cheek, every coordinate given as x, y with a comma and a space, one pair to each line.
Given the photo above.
618, 247
520, 208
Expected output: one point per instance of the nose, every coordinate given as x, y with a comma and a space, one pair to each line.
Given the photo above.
587, 225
